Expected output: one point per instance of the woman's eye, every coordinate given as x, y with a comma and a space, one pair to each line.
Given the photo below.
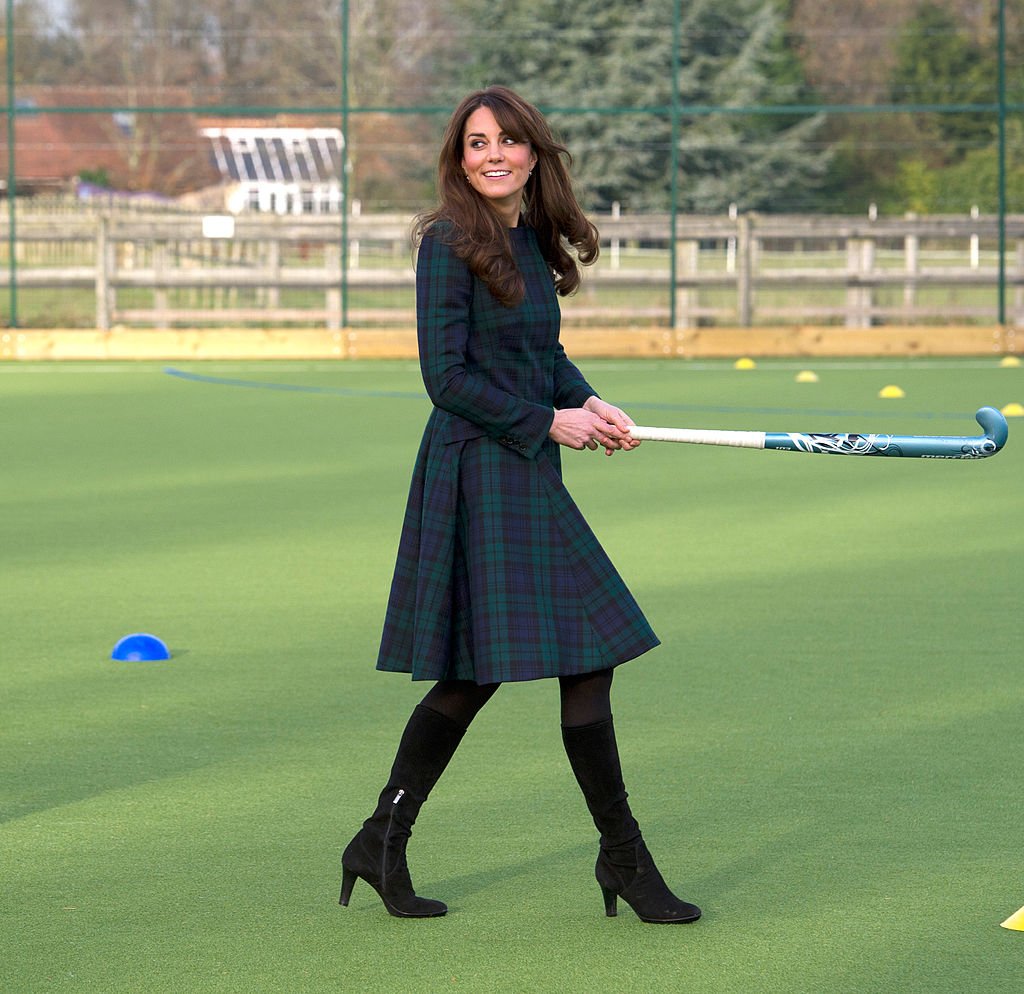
477, 143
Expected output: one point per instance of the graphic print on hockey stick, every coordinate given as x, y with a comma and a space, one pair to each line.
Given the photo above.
991, 421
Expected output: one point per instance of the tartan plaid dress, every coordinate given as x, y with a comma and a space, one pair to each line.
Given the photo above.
499, 577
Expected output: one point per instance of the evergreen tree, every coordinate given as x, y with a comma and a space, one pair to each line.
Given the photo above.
737, 55
939, 64
952, 163
616, 60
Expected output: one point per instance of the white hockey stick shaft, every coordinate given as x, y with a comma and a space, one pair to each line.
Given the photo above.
700, 436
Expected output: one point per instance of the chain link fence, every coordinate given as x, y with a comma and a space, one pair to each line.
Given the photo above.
278, 190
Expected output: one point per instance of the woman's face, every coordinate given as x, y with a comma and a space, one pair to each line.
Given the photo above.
496, 165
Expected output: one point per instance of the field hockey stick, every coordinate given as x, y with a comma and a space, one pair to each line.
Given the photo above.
840, 444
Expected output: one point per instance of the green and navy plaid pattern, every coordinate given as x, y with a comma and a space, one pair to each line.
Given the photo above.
499, 577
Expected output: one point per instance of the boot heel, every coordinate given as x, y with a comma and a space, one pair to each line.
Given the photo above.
611, 902
348, 881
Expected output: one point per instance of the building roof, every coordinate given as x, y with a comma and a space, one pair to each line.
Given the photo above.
260, 154
137, 151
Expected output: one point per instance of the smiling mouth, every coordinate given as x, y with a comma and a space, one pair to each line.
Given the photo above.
498, 174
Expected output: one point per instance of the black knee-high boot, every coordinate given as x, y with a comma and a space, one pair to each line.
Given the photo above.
377, 853
625, 868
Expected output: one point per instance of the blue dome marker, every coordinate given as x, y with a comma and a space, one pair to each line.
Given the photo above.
139, 648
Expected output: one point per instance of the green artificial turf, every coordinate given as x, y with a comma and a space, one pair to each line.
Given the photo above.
824, 753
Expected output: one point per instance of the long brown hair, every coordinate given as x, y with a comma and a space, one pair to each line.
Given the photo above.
474, 230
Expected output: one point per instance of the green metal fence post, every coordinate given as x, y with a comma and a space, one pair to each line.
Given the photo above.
12, 255
1002, 162
677, 38
344, 161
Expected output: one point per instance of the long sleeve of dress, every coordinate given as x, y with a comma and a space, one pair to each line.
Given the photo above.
472, 380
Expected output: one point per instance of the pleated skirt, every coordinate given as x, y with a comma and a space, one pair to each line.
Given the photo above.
499, 577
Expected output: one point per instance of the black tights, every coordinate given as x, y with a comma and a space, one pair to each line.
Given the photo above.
585, 698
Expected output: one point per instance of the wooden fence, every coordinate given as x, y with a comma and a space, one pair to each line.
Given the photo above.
171, 271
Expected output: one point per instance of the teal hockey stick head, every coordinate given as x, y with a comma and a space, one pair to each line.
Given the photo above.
996, 430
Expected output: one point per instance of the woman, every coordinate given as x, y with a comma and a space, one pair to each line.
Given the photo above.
498, 577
